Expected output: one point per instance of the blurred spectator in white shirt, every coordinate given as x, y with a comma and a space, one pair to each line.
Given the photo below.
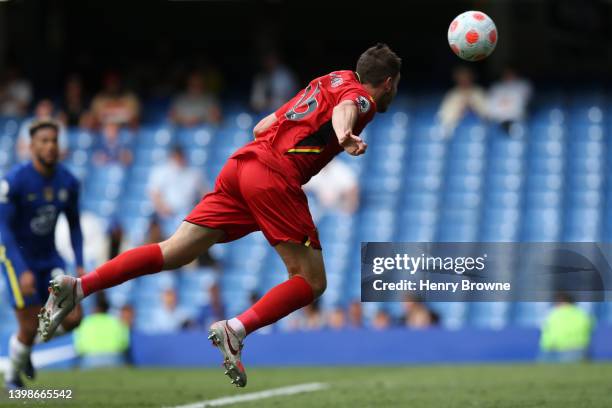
174, 188
274, 86
196, 105
336, 188
15, 94
465, 96
114, 104
45, 110
508, 99
169, 318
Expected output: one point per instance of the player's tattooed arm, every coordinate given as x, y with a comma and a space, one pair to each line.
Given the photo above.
264, 125
344, 119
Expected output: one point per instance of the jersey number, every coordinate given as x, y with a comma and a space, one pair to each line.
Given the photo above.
307, 104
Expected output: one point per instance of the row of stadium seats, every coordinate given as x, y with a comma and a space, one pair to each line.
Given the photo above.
544, 180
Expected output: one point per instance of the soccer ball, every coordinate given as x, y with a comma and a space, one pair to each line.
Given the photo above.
472, 35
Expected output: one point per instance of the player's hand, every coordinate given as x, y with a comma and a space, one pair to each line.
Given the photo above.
27, 283
352, 144
80, 271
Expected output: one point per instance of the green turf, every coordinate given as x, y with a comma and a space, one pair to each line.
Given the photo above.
499, 386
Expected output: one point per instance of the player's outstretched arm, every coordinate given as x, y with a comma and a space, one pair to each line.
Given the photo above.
264, 125
344, 119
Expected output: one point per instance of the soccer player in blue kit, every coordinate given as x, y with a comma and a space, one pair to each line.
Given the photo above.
32, 196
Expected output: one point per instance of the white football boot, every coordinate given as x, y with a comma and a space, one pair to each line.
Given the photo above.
62, 300
230, 345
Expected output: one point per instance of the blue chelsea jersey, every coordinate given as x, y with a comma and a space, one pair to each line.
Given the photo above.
30, 204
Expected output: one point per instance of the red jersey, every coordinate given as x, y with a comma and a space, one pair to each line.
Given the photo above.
302, 141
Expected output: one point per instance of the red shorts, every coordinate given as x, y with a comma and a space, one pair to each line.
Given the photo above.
249, 196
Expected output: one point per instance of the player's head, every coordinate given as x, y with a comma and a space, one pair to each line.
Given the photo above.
44, 144
563, 298
379, 68
102, 305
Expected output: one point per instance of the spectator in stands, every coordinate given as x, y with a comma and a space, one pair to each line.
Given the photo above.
114, 104
15, 93
313, 319
101, 340
336, 188
566, 333
336, 319
464, 97
273, 86
74, 103
417, 314
113, 147
381, 320
196, 105
212, 310
355, 314
127, 315
169, 318
173, 200
308, 318
45, 110
508, 98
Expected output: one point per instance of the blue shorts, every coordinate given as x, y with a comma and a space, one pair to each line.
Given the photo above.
43, 276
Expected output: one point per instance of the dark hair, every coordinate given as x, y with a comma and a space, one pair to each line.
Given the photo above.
43, 124
378, 63
563, 297
101, 303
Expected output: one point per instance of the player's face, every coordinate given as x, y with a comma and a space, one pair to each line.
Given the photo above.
390, 91
45, 147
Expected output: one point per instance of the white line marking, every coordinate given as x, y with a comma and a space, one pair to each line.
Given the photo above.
253, 396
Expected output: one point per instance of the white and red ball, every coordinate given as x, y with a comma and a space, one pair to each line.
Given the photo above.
472, 35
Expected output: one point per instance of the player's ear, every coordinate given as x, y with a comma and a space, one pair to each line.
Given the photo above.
388, 84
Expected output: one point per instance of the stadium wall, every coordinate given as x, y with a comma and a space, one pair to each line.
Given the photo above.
347, 347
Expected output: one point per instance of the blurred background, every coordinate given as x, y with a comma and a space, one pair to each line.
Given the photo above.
154, 96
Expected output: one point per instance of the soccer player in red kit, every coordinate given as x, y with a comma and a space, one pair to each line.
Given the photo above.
259, 188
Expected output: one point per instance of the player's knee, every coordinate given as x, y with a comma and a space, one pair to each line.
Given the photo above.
173, 256
314, 275
318, 286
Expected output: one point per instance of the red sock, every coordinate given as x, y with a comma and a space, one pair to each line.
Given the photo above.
289, 296
129, 265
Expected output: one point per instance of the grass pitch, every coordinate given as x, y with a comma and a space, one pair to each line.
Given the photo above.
463, 386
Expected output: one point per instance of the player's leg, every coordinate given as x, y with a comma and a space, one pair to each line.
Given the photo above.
26, 301
66, 291
20, 346
181, 248
306, 282
280, 209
